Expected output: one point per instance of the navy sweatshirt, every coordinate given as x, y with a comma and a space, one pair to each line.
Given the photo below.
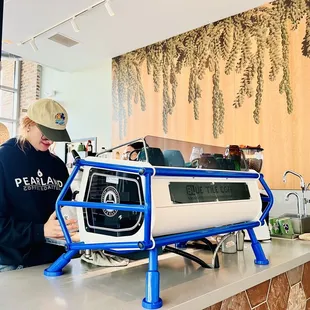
30, 182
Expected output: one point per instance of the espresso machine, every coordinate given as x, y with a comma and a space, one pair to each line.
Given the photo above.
159, 200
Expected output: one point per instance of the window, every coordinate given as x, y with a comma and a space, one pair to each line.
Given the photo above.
9, 94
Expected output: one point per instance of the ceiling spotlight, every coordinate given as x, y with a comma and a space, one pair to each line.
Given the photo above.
74, 25
108, 7
32, 43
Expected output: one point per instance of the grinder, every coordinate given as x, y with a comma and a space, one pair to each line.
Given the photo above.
254, 159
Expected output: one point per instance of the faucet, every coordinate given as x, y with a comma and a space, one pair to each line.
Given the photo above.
307, 188
302, 182
287, 197
303, 188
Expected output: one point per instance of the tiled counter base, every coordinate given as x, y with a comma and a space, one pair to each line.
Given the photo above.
290, 290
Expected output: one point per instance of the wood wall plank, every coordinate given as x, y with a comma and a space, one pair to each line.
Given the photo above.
284, 137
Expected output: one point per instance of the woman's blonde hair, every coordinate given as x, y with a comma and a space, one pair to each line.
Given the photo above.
25, 123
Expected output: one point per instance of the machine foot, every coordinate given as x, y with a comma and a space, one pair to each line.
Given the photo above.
260, 258
152, 299
55, 270
152, 305
48, 273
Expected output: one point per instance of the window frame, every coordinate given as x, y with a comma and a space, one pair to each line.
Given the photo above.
15, 90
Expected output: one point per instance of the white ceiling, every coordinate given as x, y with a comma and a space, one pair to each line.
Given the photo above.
137, 23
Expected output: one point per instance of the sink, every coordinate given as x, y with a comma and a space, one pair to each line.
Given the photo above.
300, 225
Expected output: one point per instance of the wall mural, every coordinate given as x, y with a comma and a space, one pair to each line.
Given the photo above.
240, 43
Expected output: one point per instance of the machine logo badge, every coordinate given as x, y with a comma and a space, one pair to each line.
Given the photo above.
110, 195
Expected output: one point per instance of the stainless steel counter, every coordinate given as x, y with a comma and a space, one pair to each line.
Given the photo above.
184, 285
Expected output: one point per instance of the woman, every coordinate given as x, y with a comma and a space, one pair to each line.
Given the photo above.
31, 179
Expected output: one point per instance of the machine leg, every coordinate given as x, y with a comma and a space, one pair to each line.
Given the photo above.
257, 248
55, 269
152, 299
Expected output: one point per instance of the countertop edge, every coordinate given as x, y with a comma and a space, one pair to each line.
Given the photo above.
232, 289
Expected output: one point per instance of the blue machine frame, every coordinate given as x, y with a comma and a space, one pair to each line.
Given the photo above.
152, 298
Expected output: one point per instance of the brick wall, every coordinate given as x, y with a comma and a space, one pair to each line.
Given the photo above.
30, 84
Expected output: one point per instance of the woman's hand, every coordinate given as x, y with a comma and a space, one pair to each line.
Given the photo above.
52, 228
75, 237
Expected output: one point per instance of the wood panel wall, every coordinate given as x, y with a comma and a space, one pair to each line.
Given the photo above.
284, 137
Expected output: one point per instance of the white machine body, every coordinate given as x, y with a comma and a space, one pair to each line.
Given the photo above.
215, 202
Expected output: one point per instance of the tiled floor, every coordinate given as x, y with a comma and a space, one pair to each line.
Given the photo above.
288, 291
